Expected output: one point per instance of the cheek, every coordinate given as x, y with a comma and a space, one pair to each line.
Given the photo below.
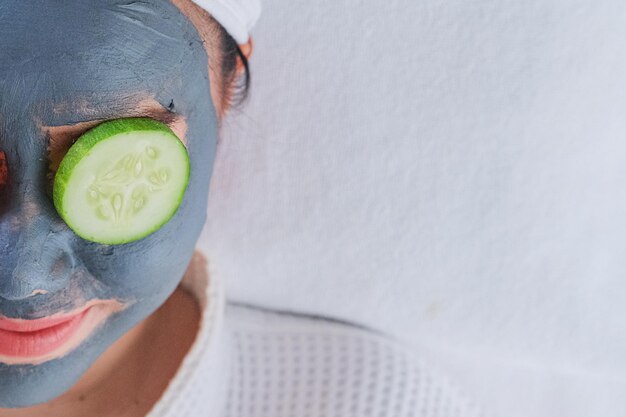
149, 267
153, 266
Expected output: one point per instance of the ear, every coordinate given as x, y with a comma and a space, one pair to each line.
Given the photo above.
246, 49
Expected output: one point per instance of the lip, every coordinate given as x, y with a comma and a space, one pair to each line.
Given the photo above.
39, 340
31, 338
28, 326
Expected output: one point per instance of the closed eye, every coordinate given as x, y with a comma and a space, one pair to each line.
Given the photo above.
61, 138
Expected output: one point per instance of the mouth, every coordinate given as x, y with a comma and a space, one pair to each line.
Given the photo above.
40, 340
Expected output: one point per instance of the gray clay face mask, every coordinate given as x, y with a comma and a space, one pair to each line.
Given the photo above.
114, 55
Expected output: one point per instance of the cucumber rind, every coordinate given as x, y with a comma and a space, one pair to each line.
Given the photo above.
84, 145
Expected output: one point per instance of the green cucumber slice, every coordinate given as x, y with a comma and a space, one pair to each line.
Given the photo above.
121, 180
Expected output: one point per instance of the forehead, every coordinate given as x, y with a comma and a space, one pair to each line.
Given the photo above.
56, 49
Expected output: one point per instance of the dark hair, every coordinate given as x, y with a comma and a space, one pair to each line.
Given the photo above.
231, 55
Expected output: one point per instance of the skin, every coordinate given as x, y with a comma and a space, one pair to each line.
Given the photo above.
117, 59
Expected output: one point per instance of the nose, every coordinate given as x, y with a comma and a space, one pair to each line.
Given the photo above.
35, 252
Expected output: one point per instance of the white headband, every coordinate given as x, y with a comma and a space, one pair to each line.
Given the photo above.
236, 16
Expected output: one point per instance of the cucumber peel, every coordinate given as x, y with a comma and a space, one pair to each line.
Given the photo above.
122, 180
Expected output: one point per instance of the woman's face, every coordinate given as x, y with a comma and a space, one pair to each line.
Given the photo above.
66, 66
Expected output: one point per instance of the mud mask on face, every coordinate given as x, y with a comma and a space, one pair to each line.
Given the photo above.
111, 59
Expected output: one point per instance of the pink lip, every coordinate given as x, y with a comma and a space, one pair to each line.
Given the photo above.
40, 340
31, 338
21, 325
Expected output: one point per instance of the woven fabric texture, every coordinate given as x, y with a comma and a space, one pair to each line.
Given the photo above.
287, 366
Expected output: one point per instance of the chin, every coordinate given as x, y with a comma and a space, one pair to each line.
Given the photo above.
26, 385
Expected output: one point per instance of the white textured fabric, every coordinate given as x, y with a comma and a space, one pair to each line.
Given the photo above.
254, 363
236, 16
287, 366
450, 171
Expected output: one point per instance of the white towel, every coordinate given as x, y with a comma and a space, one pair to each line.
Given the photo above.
236, 16
452, 172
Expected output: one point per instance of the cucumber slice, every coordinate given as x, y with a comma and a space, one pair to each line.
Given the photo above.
121, 180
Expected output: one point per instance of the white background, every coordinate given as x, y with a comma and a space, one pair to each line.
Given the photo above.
453, 173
